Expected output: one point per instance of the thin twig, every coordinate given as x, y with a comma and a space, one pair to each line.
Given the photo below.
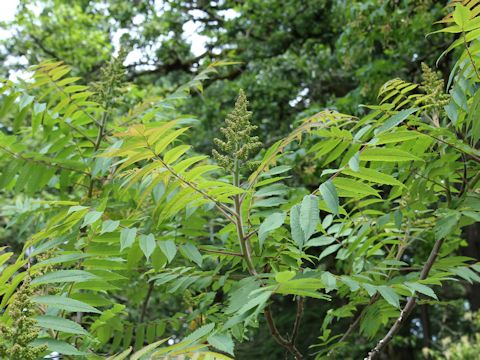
220, 252
290, 346
298, 319
407, 310
42, 162
227, 212
145, 301
244, 241
470, 55
401, 249
474, 157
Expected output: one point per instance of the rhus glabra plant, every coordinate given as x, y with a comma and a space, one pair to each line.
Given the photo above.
156, 251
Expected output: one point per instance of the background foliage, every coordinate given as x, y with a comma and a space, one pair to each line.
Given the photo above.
319, 228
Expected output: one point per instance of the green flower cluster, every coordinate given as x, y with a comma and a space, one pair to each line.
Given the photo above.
16, 338
112, 80
434, 86
236, 151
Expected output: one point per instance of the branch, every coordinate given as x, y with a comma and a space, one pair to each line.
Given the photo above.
221, 207
289, 345
164, 69
243, 239
470, 57
41, 162
101, 130
42, 47
407, 310
474, 157
298, 319
145, 301
73, 102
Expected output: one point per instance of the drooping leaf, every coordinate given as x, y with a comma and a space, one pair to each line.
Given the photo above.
309, 216
127, 238
389, 295
373, 176
396, 119
169, 249
354, 162
222, 342
199, 333
329, 250
61, 276
271, 222
295, 227
284, 276
91, 217
65, 303
147, 349
387, 155
191, 252
446, 224
61, 347
329, 194
60, 324
109, 226
320, 241
147, 244
423, 289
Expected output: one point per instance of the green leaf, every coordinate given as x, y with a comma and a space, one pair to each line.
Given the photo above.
60, 324
62, 276
329, 250
147, 349
353, 186
320, 241
446, 224
199, 333
461, 15
127, 238
329, 194
147, 244
397, 136
421, 289
389, 295
109, 226
329, 280
270, 202
65, 303
191, 252
58, 346
371, 289
39, 108
387, 155
284, 276
295, 228
352, 284
354, 162
465, 273
76, 208
395, 120
91, 217
169, 249
373, 176
309, 216
122, 356
222, 342
61, 259
24, 101
271, 222
277, 170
